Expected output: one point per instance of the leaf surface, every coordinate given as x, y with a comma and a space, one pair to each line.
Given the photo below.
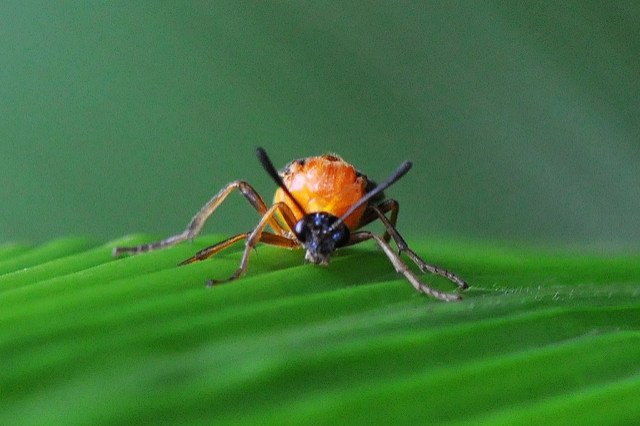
539, 336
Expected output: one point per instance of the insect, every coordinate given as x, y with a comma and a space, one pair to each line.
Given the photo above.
320, 205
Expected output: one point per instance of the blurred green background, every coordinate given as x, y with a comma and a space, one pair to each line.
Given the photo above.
522, 118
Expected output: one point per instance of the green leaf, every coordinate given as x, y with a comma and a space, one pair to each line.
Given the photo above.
539, 337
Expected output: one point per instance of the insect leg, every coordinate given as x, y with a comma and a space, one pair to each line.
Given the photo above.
403, 247
207, 252
267, 237
385, 206
401, 267
198, 221
258, 235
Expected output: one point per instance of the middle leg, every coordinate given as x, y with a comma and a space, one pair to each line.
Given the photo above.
266, 237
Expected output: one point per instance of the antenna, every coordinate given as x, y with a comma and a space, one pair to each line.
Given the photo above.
268, 166
400, 171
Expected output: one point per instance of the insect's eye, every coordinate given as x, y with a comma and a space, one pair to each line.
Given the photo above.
301, 230
340, 236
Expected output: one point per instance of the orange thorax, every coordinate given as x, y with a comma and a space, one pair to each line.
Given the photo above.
324, 184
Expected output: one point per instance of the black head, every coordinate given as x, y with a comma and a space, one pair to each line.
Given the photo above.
321, 234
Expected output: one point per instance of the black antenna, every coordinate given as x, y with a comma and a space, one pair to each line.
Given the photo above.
268, 166
400, 171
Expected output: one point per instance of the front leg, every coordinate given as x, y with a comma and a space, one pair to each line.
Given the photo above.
198, 221
401, 267
403, 247
259, 235
388, 205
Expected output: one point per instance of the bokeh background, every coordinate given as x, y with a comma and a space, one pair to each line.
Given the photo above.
522, 118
